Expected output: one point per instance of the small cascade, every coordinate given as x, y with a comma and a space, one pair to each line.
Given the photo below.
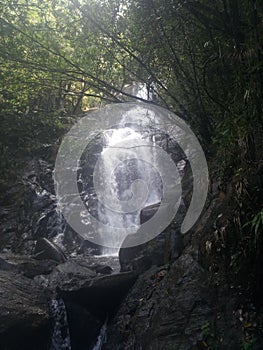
60, 337
105, 215
129, 170
102, 336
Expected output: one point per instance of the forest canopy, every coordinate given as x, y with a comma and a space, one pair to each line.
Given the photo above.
201, 59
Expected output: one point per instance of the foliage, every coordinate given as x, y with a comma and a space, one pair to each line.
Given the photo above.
256, 223
209, 336
255, 238
202, 59
249, 344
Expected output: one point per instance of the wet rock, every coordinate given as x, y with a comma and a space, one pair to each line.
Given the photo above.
164, 248
27, 208
6, 266
148, 212
141, 258
46, 250
28, 212
76, 282
26, 265
87, 247
34, 268
70, 275
85, 284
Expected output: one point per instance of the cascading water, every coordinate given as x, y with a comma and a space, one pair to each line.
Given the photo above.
124, 175
102, 336
126, 140
60, 337
98, 200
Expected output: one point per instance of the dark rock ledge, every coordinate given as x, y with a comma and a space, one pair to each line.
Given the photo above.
27, 286
24, 312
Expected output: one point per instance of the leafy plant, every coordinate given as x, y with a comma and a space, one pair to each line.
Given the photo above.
249, 344
256, 225
209, 336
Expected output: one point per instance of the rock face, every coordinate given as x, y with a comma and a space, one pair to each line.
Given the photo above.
46, 250
100, 295
87, 286
28, 212
28, 209
171, 294
169, 244
25, 322
169, 309
181, 305
83, 325
77, 281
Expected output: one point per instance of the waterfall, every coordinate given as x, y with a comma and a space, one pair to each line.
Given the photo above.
60, 337
102, 336
124, 175
116, 166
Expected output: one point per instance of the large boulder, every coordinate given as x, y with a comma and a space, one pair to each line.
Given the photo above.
24, 313
84, 326
148, 212
98, 293
92, 285
88, 286
165, 247
70, 275
162, 249
47, 250
190, 303
174, 308
26, 265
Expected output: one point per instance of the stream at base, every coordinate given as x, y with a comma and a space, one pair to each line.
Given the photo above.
102, 336
60, 338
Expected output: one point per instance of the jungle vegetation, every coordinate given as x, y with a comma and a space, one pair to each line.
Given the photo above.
203, 59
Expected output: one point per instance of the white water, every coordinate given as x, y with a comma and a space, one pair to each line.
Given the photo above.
125, 175
60, 337
128, 171
102, 336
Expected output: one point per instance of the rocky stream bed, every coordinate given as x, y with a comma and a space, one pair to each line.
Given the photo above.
170, 293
